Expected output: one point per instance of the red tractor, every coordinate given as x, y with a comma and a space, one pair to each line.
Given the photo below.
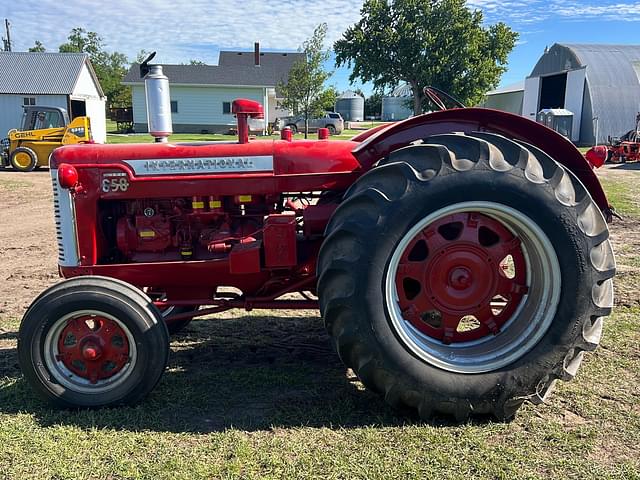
627, 147
461, 259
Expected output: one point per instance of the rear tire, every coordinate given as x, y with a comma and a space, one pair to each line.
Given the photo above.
293, 128
332, 129
371, 293
92, 342
23, 159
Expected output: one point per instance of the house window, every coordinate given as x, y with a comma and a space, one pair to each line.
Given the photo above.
27, 101
226, 107
174, 106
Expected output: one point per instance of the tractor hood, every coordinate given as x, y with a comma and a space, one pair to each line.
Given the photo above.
278, 157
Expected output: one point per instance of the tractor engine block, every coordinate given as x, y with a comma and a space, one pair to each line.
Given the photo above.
188, 228
254, 232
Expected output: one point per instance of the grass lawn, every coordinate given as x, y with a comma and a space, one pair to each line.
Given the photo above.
209, 137
114, 137
262, 395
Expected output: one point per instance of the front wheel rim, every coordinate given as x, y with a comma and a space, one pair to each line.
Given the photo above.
90, 352
22, 160
452, 285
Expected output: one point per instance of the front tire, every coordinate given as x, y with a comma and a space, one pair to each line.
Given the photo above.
23, 159
92, 342
465, 276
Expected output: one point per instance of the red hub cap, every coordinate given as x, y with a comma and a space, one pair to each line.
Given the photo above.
93, 347
461, 278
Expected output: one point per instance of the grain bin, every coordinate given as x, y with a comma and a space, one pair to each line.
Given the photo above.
396, 106
351, 106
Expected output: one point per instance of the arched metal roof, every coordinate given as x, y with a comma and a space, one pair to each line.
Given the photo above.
402, 91
612, 75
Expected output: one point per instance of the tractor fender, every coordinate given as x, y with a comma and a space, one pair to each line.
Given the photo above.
378, 144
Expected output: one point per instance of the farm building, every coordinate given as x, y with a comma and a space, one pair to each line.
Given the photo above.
64, 80
201, 95
598, 84
508, 99
397, 105
350, 106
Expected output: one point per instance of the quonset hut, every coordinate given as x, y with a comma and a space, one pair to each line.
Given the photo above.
599, 84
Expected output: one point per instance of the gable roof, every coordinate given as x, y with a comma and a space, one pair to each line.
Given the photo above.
43, 73
235, 69
279, 60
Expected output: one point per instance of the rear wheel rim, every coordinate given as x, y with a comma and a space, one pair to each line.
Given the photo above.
90, 351
451, 303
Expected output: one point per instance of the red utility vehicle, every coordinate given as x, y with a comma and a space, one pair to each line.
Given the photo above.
461, 259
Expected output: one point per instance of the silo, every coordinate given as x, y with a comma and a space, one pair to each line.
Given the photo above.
396, 106
351, 106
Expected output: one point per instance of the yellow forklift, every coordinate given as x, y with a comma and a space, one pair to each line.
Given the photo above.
43, 130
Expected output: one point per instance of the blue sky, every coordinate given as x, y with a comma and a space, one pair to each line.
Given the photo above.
198, 29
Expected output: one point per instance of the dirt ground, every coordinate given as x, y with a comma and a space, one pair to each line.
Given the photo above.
28, 262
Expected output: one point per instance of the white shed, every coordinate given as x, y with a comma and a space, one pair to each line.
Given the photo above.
64, 80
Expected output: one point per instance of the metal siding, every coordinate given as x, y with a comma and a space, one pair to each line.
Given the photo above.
11, 108
395, 108
198, 105
507, 102
531, 97
574, 100
40, 73
138, 104
587, 135
351, 108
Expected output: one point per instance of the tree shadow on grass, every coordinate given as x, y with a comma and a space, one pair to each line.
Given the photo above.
249, 373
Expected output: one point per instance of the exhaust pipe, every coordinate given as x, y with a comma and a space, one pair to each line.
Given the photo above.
156, 86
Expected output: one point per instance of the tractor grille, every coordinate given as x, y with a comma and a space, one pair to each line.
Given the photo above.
64, 214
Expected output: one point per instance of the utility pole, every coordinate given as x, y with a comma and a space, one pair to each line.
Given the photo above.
7, 41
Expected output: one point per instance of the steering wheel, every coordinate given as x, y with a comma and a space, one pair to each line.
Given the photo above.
434, 96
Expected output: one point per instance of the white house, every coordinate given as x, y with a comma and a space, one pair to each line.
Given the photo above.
201, 95
64, 80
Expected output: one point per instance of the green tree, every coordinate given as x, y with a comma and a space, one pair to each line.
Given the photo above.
38, 47
426, 42
373, 104
305, 92
327, 99
110, 67
142, 55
